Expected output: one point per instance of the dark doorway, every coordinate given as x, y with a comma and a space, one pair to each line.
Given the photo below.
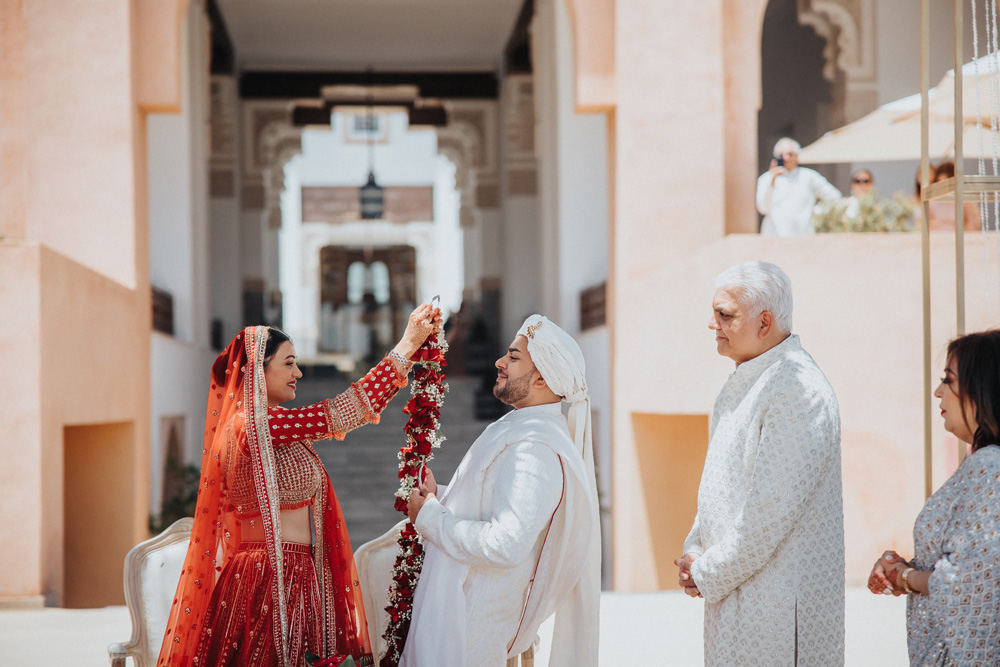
797, 101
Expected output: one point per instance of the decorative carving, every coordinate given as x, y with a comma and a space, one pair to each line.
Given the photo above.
257, 119
519, 118
848, 26
472, 121
223, 119
271, 141
520, 163
469, 141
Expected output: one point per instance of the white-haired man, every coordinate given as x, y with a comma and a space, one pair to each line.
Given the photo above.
787, 193
767, 547
515, 536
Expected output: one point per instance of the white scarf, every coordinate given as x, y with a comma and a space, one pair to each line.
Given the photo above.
559, 359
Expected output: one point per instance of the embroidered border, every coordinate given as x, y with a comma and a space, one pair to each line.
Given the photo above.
262, 456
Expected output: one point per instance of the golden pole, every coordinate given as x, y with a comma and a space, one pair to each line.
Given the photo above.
959, 184
925, 232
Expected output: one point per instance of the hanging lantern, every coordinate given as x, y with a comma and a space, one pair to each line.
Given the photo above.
372, 199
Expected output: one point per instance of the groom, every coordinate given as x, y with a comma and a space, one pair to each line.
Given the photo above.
515, 536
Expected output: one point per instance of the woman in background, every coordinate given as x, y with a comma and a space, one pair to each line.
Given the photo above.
942, 213
953, 581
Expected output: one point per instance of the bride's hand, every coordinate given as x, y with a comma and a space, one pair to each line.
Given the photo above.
424, 321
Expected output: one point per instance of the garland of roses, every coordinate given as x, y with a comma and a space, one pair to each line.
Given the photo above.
422, 436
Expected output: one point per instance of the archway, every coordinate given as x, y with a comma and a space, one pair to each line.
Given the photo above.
366, 294
798, 100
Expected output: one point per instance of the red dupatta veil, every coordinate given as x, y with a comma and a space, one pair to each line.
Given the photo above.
237, 413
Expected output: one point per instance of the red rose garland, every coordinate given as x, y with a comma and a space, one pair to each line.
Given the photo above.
422, 436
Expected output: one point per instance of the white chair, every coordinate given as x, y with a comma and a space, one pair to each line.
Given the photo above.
152, 570
375, 561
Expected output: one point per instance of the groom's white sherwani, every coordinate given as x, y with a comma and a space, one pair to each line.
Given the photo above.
505, 544
770, 523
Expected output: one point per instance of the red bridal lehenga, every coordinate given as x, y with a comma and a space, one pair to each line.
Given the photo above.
263, 604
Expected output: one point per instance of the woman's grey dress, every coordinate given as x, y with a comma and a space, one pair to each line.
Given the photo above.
957, 535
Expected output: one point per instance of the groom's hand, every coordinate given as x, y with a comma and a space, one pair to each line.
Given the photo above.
428, 485
417, 500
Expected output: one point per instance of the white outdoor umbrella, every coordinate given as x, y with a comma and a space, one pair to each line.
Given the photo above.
892, 132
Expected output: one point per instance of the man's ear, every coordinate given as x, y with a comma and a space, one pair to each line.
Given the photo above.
539, 382
766, 324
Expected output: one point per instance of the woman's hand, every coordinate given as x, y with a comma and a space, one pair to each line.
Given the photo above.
884, 578
424, 321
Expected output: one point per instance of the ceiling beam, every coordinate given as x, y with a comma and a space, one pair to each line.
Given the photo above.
306, 85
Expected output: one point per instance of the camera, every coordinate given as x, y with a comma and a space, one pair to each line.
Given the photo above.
780, 161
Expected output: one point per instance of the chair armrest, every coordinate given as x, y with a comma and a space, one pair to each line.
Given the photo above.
117, 654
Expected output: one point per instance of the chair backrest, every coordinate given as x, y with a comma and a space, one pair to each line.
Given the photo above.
375, 561
152, 570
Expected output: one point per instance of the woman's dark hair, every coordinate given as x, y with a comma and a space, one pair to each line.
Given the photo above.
944, 170
234, 356
275, 337
977, 362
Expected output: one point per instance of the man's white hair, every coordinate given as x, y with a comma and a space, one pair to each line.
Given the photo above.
786, 144
762, 286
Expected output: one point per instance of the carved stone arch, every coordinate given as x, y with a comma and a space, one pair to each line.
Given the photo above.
280, 142
459, 149
465, 180
270, 141
848, 26
469, 141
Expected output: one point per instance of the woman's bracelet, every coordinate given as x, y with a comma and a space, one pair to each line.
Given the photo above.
904, 578
402, 364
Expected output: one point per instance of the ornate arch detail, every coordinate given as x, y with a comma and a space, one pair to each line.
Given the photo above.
848, 26
469, 141
281, 142
271, 141
465, 179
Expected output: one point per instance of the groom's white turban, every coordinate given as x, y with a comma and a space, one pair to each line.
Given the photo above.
557, 357
560, 361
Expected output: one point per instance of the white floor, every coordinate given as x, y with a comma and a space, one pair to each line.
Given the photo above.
665, 629
662, 629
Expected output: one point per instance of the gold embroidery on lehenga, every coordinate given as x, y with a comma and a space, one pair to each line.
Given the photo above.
299, 480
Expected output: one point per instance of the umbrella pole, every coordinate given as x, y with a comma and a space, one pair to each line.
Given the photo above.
959, 184
925, 233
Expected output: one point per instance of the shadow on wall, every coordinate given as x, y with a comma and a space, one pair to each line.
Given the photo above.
671, 452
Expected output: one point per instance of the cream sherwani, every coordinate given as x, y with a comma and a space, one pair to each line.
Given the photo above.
770, 522
517, 507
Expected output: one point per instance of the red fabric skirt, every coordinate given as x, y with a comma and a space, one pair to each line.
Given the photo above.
238, 624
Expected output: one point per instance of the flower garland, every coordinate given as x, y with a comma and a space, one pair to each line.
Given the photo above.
422, 436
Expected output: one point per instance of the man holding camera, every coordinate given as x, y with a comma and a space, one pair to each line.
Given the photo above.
787, 193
